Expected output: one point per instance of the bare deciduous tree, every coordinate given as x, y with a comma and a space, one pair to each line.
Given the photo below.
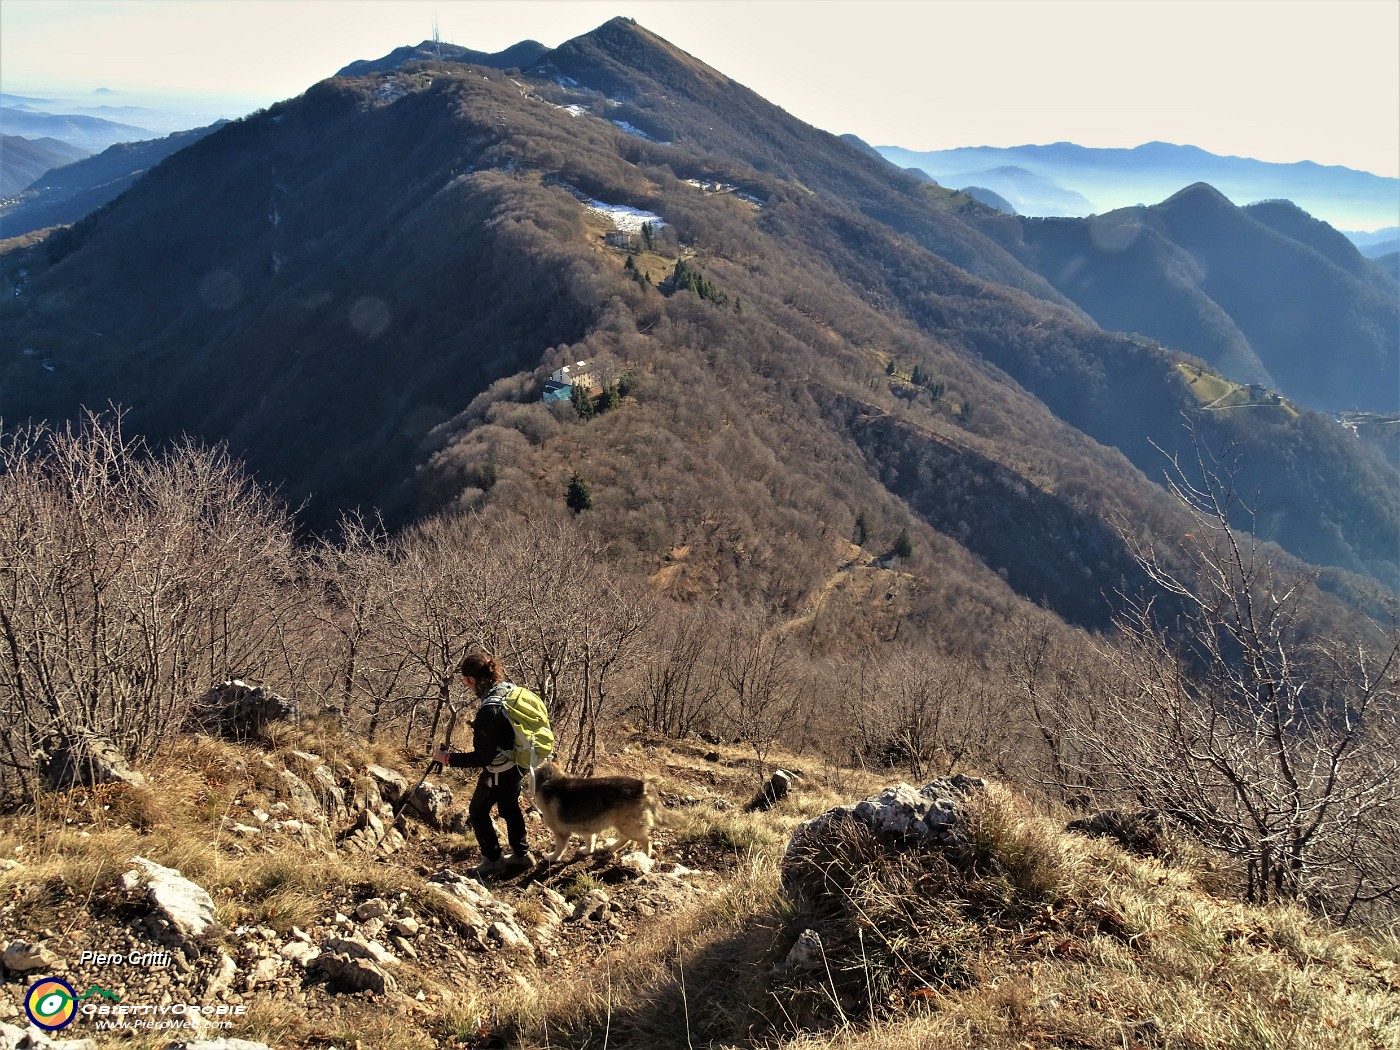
759, 669
681, 685
1269, 742
130, 583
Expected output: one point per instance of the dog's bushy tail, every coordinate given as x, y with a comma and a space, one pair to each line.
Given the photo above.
661, 813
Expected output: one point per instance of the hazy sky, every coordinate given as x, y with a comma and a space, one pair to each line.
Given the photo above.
1280, 80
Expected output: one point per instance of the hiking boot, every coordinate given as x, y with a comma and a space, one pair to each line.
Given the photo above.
491, 869
520, 861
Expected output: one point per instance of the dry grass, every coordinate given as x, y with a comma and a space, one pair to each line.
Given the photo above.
1033, 938
671, 985
1026, 938
1074, 943
84, 839
691, 980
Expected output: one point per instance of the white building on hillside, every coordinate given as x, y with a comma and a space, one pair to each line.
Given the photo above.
560, 385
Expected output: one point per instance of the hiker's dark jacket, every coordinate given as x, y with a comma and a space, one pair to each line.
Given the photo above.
492, 734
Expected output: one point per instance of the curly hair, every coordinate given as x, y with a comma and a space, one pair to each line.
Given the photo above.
482, 668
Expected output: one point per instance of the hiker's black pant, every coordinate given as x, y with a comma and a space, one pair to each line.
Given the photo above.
501, 790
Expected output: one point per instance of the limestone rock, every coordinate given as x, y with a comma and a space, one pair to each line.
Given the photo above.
221, 980
301, 797
392, 786
357, 974
431, 802
359, 948
181, 904
509, 936
22, 957
808, 953
593, 906
374, 908
238, 710
370, 833
87, 758
899, 817
332, 794
773, 792
299, 952
365, 795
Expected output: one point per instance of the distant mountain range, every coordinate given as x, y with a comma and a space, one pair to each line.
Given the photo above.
1265, 294
1378, 243
24, 160
1032, 194
70, 190
1116, 178
89, 133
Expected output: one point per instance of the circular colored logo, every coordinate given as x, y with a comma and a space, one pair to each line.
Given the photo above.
51, 1003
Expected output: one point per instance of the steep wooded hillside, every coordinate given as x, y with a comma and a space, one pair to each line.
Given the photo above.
362, 289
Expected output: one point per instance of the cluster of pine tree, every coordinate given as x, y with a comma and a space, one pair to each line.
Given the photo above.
685, 277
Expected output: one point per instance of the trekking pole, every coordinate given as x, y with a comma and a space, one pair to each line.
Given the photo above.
433, 766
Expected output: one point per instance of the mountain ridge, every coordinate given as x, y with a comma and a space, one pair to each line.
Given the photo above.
22, 160
337, 329
1264, 284
67, 193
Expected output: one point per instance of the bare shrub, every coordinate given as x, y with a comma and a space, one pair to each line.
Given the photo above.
765, 695
930, 712
539, 594
681, 687
1272, 742
130, 582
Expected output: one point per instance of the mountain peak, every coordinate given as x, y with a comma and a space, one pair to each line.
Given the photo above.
622, 45
1198, 195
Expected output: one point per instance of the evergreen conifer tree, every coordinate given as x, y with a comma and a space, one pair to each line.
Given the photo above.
579, 496
903, 546
582, 401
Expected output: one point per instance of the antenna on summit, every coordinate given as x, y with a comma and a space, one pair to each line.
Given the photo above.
437, 39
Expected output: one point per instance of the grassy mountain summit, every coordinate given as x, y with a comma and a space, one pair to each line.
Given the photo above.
1032, 936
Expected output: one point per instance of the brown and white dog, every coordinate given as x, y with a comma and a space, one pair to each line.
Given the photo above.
585, 806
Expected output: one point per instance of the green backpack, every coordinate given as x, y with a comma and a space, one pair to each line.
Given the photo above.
534, 740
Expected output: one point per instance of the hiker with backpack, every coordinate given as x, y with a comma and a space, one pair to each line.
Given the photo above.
510, 736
